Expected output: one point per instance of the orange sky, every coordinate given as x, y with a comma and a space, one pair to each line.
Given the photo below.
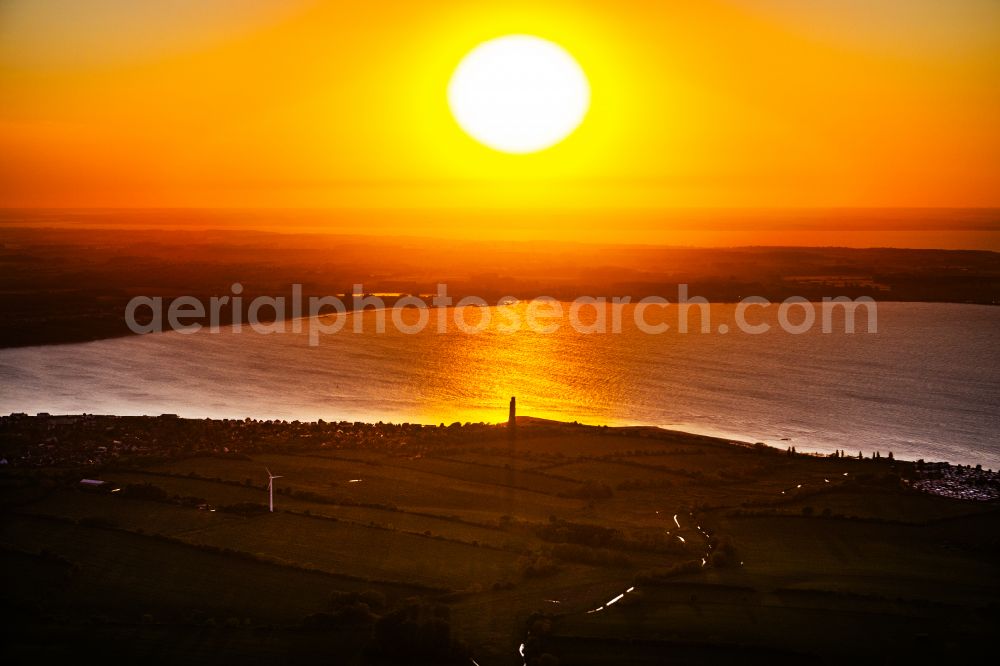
708, 103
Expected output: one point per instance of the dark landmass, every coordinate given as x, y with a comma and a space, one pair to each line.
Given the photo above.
442, 544
72, 285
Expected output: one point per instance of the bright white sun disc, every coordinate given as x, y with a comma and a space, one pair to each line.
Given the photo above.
519, 94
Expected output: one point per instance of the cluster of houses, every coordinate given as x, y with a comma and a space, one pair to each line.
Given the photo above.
958, 481
46, 440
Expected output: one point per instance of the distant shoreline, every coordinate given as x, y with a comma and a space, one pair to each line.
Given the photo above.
76, 336
65, 285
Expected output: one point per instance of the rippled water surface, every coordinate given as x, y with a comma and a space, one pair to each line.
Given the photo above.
926, 384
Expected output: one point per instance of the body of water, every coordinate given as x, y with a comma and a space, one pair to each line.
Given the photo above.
925, 385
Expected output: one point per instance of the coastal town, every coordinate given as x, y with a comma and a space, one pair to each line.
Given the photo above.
90, 441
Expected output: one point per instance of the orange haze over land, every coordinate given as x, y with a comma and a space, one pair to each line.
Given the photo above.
767, 104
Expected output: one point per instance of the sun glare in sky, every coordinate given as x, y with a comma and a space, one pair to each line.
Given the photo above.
525, 104
519, 94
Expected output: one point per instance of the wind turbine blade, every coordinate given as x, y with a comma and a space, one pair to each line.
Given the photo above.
268, 471
277, 477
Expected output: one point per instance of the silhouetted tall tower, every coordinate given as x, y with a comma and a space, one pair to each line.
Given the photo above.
512, 419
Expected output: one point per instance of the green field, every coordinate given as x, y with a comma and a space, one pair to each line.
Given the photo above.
776, 558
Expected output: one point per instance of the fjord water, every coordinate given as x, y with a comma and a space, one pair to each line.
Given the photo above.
925, 385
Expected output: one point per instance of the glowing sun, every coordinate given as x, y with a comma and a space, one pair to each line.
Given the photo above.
519, 94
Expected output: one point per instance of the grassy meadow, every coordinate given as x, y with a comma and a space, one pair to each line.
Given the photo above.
706, 549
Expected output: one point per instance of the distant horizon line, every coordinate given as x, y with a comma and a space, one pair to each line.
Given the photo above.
952, 228
502, 210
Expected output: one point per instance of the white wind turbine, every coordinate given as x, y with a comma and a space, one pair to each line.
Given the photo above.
270, 488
